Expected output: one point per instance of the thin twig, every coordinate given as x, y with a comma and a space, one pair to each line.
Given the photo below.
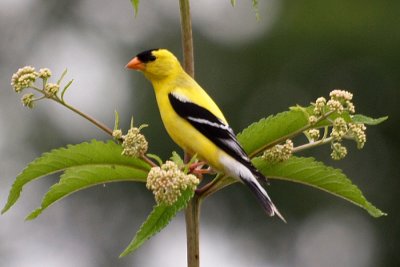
88, 117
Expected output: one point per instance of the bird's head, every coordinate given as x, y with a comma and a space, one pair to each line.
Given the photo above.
156, 64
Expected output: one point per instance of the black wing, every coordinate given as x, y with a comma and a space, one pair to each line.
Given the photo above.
222, 136
211, 127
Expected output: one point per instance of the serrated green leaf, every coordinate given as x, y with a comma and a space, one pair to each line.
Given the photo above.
82, 177
358, 118
310, 172
57, 160
135, 4
265, 132
157, 220
277, 128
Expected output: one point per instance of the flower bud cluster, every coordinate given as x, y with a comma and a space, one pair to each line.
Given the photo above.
279, 153
313, 134
357, 132
51, 89
28, 100
117, 134
168, 181
23, 78
339, 129
44, 73
338, 151
339, 102
134, 143
26, 77
312, 119
319, 106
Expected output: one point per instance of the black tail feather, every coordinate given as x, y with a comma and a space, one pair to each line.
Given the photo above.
263, 198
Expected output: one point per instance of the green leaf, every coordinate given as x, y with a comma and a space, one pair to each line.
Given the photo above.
310, 172
155, 157
233, 3
358, 118
135, 4
157, 220
255, 8
116, 123
94, 153
82, 177
277, 128
176, 158
266, 132
62, 77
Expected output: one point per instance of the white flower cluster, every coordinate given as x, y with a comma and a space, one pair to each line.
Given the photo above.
117, 134
51, 89
319, 106
23, 78
26, 77
134, 143
338, 151
313, 134
357, 132
339, 102
44, 73
279, 153
168, 181
28, 100
339, 129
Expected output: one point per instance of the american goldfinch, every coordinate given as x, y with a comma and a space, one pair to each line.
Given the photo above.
195, 123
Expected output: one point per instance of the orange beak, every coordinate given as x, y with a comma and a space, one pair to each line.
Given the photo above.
135, 64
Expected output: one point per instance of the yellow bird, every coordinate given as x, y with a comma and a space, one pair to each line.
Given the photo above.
195, 123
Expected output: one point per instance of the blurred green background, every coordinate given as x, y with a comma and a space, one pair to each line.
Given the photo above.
296, 52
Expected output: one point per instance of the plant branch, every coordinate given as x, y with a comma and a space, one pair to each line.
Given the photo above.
192, 218
187, 38
97, 123
192, 212
312, 144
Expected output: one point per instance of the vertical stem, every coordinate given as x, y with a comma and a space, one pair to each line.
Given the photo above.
192, 212
192, 216
187, 38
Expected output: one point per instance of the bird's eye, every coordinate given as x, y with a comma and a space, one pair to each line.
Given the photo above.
147, 56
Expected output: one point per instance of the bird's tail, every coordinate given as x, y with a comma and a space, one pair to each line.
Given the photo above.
262, 196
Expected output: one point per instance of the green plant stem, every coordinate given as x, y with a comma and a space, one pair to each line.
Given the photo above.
187, 38
312, 144
97, 123
192, 218
192, 212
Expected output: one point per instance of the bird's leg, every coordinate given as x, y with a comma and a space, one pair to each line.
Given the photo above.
196, 165
198, 170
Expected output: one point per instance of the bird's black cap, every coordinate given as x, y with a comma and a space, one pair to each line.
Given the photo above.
147, 56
